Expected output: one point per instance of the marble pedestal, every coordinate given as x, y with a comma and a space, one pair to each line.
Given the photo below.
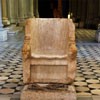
97, 35
3, 34
56, 92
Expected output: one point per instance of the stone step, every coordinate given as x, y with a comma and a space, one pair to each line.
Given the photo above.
42, 93
5, 97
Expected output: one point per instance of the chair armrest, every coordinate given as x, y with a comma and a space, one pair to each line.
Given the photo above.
26, 50
72, 51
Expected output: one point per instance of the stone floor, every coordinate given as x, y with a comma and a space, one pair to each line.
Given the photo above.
87, 82
85, 36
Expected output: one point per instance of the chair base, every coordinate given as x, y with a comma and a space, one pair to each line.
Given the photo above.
48, 92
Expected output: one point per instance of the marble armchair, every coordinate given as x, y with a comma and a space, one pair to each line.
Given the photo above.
49, 51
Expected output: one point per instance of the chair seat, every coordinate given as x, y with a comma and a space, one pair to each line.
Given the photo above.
49, 56
49, 60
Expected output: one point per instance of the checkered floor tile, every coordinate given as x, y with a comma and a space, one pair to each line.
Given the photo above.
88, 69
87, 80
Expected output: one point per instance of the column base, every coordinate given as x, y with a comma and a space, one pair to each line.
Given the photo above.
37, 15
6, 22
13, 21
31, 16
21, 21
49, 93
3, 34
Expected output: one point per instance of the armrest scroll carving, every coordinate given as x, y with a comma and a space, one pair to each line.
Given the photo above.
26, 48
72, 51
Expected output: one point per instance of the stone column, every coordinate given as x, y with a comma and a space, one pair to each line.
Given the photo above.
3, 32
4, 12
21, 9
12, 11
36, 13
1, 25
31, 8
26, 9
16, 10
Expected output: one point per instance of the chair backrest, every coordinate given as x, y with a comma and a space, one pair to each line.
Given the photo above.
49, 37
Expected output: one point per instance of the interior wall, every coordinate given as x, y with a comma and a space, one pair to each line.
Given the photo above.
53, 8
87, 12
45, 10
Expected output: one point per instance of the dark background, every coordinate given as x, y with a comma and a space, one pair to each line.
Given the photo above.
84, 12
